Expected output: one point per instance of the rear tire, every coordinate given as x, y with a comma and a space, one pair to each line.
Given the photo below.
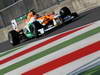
13, 37
65, 11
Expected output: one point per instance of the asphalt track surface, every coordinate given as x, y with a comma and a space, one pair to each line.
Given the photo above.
84, 18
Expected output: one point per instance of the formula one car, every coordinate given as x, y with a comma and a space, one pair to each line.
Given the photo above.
41, 25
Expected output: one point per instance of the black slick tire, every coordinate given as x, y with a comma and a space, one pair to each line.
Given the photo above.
13, 37
65, 11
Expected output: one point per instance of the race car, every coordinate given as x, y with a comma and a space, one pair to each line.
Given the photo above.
40, 26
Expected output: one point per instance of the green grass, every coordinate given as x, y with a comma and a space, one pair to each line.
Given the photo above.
92, 71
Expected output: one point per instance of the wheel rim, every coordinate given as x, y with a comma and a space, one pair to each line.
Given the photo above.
10, 38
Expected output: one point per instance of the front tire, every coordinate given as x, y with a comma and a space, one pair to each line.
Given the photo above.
13, 37
37, 26
75, 14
